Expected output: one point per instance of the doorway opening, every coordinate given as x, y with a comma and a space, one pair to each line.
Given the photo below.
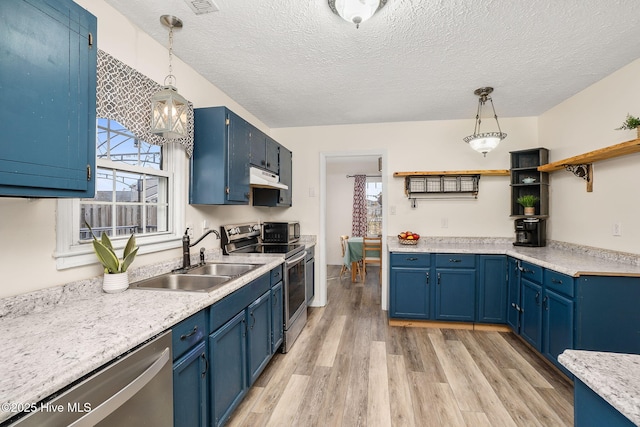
337, 172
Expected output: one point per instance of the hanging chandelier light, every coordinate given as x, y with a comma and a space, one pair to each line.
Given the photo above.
485, 141
356, 11
168, 107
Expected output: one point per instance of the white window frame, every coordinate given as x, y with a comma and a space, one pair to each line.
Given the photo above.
70, 252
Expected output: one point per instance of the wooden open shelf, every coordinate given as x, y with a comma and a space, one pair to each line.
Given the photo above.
581, 165
487, 172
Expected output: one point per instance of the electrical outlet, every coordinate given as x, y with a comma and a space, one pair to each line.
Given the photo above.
392, 210
205, 226
444, 222
312, 192
616, 229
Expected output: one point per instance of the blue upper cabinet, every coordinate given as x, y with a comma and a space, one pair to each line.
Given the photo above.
48, 109
220, 161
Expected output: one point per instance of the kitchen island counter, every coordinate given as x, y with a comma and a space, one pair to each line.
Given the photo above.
615, 377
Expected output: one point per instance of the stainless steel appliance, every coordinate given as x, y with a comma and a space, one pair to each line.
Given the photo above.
530, 232
245, 239
280, 232
135, 391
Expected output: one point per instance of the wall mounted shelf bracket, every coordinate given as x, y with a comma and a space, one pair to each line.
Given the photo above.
584, 172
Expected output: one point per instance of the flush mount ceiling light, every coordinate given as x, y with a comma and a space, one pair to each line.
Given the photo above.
485, 141
168, 107
356, 11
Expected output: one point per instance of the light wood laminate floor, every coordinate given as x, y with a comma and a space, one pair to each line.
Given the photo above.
350, 368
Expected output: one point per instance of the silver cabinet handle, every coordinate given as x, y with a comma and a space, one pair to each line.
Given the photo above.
454, 260
427, 277
110, 405
557, 281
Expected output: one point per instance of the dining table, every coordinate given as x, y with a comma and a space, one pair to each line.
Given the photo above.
353, 255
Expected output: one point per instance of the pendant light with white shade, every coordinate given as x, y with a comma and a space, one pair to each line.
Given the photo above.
484, 142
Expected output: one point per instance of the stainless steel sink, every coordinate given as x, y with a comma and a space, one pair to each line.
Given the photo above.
221, 269
183, 282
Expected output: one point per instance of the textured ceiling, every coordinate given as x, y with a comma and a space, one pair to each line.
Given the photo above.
295, 63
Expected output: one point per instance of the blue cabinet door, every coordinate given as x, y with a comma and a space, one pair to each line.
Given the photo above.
259, 344
277, 317
286, 176
513, 301
190, 402
48, 109
220, 162
492, 289
531, 319
227, 381
558, 326
239, 149
455, 294
409, 293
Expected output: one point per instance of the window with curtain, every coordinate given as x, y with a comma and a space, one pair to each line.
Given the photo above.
374, 205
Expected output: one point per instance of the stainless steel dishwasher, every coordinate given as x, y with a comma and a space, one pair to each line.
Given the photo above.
136, 390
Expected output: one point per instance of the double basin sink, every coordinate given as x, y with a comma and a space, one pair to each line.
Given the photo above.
202, 278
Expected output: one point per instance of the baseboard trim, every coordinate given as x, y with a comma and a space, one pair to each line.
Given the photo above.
449, 325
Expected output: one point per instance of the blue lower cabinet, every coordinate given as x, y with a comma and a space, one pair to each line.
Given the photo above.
591, 410
531, 319
455, 294
228, 384
409, 293
277, 317
492, 289
259, 336
558, 326
190, 402
513, 294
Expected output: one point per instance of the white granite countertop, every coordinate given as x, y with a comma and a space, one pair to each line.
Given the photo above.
47, 346
564, 258
613, 376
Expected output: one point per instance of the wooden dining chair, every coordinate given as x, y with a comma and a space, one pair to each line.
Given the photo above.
371, 254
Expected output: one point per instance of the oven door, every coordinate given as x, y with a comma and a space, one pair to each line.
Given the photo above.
294, 289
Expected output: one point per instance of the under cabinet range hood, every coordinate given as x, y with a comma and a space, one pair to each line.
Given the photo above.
264, 179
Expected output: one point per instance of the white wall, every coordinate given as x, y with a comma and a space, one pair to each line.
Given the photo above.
413, 146
583, 123
340, 199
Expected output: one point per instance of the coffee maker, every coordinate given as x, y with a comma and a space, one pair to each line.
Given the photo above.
530, 232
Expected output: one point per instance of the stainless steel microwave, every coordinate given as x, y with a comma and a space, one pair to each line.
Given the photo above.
280, 232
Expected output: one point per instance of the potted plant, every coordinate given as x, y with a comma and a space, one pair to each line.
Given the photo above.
630, 123
116, 278
528, 201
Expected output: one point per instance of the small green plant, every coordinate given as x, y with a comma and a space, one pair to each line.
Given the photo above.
107, 255
630, 122
528, 200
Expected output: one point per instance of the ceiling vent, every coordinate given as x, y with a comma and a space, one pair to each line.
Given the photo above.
200, 7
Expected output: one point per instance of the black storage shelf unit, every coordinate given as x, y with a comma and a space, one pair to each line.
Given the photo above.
527, 180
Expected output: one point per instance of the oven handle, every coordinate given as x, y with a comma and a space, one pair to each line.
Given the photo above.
293, 261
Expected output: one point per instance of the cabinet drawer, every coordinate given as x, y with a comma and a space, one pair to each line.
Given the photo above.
276, 275
456, 260
531, 272
410, 260
229, 306
187, 333
559, 282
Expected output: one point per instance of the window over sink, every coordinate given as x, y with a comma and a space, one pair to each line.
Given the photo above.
136, 183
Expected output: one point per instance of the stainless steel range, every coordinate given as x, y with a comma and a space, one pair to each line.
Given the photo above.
245, 239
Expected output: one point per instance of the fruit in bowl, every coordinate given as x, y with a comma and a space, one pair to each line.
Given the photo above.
408, 235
